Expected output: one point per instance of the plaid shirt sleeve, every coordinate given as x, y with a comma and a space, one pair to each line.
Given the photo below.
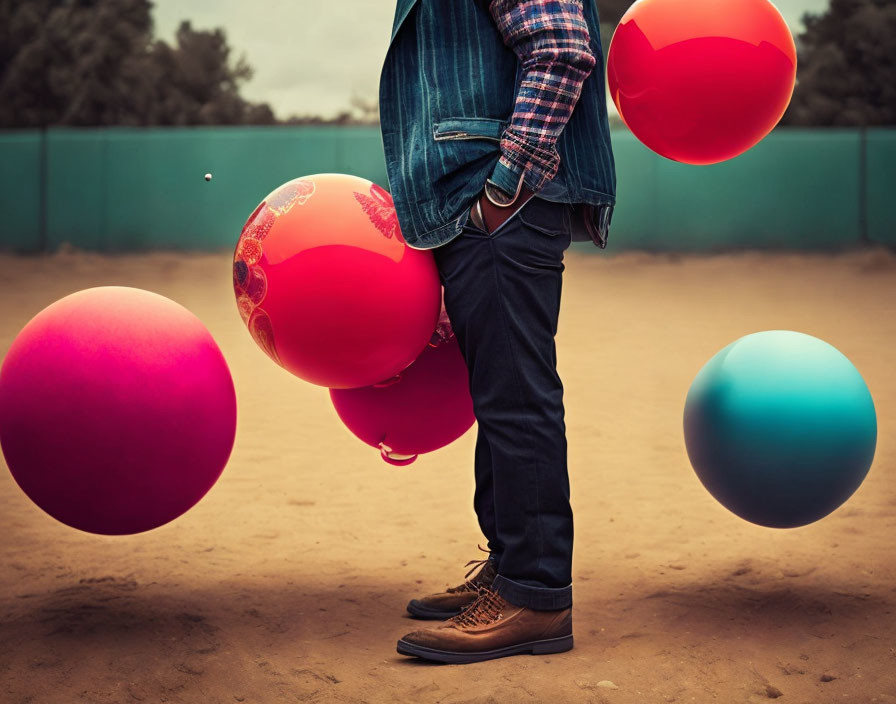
551, 39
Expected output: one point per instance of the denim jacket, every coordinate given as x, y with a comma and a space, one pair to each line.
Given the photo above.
447, 91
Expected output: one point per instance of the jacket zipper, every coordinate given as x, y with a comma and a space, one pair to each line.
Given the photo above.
446, 136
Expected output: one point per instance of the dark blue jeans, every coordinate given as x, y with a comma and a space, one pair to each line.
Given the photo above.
502, 293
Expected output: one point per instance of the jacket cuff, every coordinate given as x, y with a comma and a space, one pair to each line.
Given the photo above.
506, 178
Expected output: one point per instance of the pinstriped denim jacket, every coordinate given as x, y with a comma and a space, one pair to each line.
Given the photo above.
447, 92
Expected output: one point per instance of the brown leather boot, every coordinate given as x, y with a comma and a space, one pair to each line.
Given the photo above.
491, 628
453, 600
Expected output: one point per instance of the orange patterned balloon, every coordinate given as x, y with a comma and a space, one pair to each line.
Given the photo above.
327, 285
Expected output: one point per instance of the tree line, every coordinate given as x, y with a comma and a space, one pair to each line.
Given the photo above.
97, 62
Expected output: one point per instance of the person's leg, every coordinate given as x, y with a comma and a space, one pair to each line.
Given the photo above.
484, 494
460, 264
502, 293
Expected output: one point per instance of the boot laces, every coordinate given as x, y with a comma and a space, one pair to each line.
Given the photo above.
487, 609
469, 584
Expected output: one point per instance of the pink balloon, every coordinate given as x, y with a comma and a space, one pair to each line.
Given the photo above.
421, 409
117, 410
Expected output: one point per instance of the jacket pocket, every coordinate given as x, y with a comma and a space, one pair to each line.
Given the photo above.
462, 154
461, 128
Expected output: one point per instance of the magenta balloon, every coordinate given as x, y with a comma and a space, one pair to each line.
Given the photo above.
117, 410
421, 409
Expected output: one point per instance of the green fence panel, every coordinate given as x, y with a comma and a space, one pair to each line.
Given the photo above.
120, 189
794, 190
126, 189
76, 189
361, 153
635, 221
20, 199
880, 172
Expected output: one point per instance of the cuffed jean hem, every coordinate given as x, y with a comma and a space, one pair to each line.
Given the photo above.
538, 598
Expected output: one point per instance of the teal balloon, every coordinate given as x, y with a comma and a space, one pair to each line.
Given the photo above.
780, 428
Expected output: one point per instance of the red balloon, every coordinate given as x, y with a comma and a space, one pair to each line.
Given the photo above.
701, 81
117, 410
327, 285
425, 407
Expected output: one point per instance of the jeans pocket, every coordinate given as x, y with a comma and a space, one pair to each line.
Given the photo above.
547, 217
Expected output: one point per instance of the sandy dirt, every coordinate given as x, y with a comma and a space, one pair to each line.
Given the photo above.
288, 582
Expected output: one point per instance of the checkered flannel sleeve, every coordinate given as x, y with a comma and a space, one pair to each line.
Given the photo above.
551, 40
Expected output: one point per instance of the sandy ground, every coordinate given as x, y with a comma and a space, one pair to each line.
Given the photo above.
288, 582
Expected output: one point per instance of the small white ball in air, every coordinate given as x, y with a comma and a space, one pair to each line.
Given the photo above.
208, 177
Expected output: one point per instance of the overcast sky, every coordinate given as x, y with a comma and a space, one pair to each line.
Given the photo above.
311, 56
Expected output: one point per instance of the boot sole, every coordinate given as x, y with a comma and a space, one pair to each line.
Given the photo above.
418, 610
535, 647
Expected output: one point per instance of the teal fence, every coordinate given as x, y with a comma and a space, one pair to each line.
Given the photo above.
123, 189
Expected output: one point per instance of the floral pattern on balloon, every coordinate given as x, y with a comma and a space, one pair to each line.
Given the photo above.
289, 194
378, 206
249, 280
263, 333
